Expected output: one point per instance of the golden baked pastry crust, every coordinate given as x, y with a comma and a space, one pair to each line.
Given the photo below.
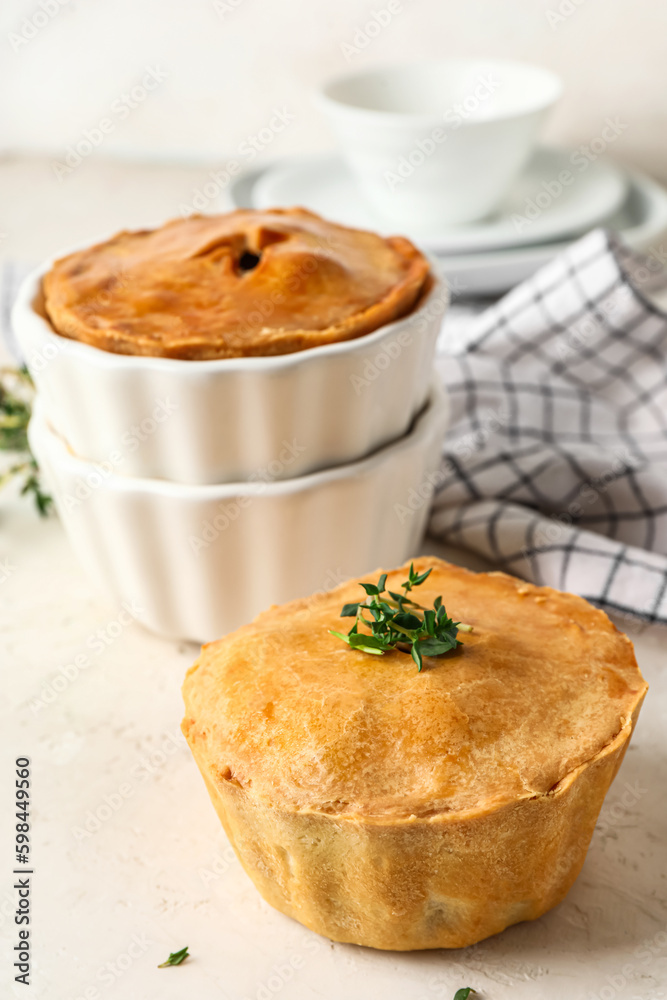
400, 810
248, 283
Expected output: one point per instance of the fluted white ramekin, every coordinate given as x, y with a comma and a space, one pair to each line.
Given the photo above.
232, 419
198, 561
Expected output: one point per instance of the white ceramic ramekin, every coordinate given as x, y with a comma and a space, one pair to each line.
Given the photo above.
198, 561
437, 144
204, 422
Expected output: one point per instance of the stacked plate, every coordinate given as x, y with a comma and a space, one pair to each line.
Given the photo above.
200, 492
537, 219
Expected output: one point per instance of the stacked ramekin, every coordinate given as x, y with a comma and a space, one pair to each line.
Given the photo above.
200, 492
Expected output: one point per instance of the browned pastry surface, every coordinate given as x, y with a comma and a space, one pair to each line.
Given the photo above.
401, 809
246, 283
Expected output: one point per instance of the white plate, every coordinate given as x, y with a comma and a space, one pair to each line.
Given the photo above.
540, 207
640, 222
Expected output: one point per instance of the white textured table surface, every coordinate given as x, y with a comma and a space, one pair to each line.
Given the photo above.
129, 860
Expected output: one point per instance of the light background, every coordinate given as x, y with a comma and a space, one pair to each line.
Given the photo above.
225, 76
228, 68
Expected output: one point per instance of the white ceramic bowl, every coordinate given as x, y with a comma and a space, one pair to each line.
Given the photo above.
234, 419
437, 144
197, 561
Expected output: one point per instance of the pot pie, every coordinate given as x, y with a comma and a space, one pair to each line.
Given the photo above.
248, 283
404, 810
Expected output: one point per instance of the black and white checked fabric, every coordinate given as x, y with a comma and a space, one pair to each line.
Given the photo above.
555, 463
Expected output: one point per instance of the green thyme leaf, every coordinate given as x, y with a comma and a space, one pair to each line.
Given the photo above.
360, 641
408, 621
357, 640
464, 993
368, 649
388, 625
341, 635
415, 579
175, 958
436, 647
16, 391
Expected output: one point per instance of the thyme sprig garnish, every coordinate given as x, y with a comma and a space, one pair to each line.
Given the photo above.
397, 621
16, 391
175, 958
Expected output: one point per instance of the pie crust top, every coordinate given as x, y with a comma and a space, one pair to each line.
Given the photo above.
285, 710
243, 284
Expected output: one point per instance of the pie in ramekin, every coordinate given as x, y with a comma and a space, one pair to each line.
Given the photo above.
404, 810
244, 284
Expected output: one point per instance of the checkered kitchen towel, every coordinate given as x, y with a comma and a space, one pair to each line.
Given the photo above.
555, 464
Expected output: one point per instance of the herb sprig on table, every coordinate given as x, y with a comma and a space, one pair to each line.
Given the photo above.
16, 390
175, 958
396, 621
